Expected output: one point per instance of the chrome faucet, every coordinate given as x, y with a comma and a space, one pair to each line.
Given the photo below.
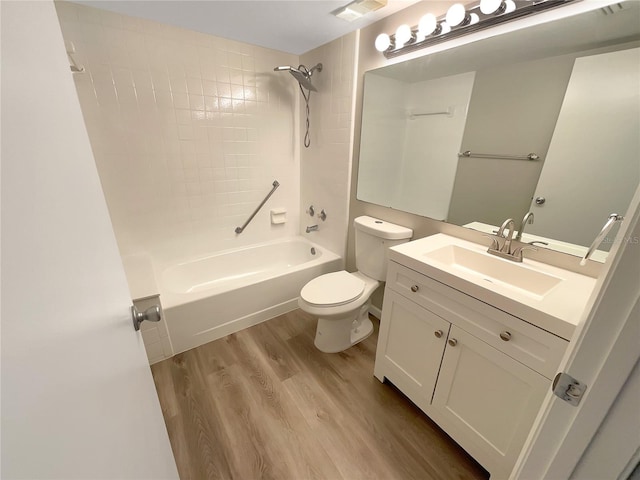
505, 251
528, 218
312, 228
510, 224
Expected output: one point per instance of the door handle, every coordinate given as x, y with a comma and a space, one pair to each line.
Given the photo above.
151, 314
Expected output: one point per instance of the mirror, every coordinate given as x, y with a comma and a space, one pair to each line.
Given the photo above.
566, 91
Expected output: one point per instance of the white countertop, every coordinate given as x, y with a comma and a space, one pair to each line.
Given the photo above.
557, 310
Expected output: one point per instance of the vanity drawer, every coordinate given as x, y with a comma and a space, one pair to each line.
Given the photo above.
534, 347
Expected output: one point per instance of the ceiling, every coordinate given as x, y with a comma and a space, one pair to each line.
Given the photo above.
293, 26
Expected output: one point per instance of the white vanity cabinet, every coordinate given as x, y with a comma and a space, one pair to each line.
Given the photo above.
478, 372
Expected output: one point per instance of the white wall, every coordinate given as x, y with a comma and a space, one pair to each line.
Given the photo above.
325, 167
411, 159
188, 130
432, 144
382, 143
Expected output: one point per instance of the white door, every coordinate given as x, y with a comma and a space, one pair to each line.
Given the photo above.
602, 355
78, 399
608, 166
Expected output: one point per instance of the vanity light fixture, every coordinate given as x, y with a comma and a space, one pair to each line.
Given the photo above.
459, 20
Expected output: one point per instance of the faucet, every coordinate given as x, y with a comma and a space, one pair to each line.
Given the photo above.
505, 251
510, 224
528, 218
312, 228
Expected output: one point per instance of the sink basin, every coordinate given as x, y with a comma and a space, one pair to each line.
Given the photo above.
550, 297
494, 270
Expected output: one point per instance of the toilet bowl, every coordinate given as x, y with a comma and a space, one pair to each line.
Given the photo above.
341, 300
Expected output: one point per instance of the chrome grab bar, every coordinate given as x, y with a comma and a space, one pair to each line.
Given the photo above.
241, 229
469, 153
613, 218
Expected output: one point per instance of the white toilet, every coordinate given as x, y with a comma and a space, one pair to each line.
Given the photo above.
341, 299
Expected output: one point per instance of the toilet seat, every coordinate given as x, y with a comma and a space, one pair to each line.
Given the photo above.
332, 289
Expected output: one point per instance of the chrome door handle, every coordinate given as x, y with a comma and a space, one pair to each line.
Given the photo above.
151, 314
453, 342
415, 288
438, 333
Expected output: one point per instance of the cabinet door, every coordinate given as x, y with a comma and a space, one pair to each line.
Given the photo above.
410, 347
486, 401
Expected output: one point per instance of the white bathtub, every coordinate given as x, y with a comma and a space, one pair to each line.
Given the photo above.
209, 297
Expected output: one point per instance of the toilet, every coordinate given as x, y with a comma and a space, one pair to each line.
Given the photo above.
341, 299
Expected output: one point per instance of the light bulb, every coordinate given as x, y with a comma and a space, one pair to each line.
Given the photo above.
474, 18
403, 35
490, 6
444, 27
426, 26
382, 42
456, 15
510, 6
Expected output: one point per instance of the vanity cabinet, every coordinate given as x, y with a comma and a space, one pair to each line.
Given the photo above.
478, 372
414, 342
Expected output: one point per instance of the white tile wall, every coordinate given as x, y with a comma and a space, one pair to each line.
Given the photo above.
188, 130
325, 167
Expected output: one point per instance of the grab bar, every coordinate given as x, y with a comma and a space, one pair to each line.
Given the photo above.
468, 153
241, 229
613, 218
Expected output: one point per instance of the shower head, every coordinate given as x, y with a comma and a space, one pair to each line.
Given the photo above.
301, 74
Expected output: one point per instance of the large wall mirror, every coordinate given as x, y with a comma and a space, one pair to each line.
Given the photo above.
567, 91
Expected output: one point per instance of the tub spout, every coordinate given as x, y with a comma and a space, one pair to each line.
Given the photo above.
312, 228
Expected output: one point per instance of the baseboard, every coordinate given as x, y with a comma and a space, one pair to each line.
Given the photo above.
375, 311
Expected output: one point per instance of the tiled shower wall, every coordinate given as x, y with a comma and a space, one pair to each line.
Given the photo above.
188, 131
325, 175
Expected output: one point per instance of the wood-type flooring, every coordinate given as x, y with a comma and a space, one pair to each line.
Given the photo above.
264, 403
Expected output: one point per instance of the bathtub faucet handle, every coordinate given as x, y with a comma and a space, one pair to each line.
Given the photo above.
311, 211
322, 215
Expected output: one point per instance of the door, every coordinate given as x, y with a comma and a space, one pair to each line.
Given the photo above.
608, 166
602, 355
78, 399
486, 400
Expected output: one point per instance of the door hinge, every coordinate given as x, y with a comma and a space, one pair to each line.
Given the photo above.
568, 388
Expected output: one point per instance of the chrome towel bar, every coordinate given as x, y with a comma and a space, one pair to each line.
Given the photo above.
241, 229
469, 153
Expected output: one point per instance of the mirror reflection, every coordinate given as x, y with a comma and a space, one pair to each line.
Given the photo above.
449, 136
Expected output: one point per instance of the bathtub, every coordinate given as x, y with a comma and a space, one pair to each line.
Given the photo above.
208, 297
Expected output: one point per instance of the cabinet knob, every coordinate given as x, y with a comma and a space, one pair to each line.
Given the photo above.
506, 336
453, 342
415, 288
438, 333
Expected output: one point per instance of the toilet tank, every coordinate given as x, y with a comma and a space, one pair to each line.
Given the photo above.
373, 238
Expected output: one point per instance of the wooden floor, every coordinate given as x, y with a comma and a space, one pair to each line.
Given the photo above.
265, 403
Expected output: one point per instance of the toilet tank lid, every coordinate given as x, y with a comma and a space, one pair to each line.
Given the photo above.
382, 229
